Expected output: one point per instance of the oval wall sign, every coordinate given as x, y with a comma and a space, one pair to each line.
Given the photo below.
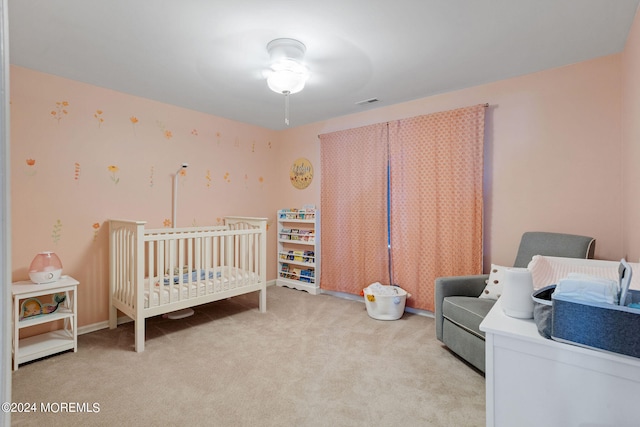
301, 173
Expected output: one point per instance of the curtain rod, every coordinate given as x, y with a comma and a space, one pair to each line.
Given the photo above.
485, 105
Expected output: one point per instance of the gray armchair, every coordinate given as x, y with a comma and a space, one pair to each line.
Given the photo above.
458, 309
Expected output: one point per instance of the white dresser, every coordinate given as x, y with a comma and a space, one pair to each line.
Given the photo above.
533, 381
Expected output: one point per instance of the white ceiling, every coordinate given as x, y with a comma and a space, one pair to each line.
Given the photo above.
209, 55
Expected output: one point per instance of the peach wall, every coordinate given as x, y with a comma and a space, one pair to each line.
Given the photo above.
631, 140
552, 153
113, 155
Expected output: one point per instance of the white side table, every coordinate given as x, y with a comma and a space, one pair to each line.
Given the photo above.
35, 347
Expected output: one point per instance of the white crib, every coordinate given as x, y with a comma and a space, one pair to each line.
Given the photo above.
153, 272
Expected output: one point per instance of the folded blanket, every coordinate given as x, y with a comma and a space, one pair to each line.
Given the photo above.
586, 288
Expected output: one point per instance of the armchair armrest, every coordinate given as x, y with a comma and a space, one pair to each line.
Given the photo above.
470, 286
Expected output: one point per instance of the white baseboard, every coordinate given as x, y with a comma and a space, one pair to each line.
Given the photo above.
101, 325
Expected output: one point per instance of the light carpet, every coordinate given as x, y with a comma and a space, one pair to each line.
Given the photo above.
310, 360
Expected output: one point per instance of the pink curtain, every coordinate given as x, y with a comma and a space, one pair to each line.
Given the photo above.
436, 203
353, 209
436, 199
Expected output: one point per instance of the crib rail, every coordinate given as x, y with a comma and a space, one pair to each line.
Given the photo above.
188, 264
184, 263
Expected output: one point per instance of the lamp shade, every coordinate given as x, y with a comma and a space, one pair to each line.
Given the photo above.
45, 268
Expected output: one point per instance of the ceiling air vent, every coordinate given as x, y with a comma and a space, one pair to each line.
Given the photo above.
367, 101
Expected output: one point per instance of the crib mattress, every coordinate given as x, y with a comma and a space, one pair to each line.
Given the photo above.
226, 278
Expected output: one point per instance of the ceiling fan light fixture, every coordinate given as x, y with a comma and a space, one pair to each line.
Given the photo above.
287, 77
287, 74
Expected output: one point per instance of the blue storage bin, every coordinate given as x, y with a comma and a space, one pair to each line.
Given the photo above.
605, 327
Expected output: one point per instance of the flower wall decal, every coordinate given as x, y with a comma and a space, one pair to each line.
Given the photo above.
134, 121
114, 171
96, 229
31, 169
56, 234
98, 116
166, 132
60, 110
166, 222
76, 175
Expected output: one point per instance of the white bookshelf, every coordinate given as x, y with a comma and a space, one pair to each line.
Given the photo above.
299, 249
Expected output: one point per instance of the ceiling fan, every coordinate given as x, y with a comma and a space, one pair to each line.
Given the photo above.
323, 68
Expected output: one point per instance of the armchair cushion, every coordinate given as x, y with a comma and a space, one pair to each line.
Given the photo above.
467, 312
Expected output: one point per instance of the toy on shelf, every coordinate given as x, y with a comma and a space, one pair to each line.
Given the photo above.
32, 307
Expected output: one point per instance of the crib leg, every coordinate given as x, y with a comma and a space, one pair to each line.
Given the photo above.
113, 317
139, 330
263, 301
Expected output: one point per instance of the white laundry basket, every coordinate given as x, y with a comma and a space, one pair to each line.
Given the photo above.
385, 302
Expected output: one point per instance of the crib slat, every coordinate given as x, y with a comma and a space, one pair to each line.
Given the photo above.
225, 285
190, 267
152, 273
243, 258
195, 246
160, 271
173, 267
204, 251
